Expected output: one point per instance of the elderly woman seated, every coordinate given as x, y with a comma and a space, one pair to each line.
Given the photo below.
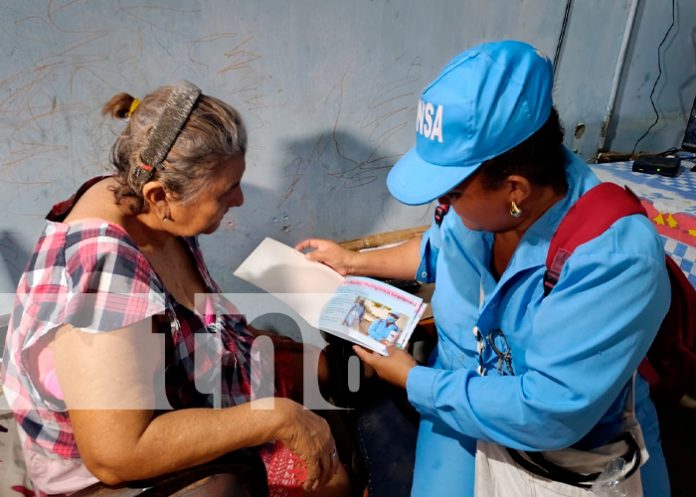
107, 368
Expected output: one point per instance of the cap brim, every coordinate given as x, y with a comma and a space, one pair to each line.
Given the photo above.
413, 181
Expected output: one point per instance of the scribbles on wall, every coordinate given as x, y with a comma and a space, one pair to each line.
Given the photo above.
327, 91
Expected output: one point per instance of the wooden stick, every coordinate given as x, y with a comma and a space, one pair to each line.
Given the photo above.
385, 238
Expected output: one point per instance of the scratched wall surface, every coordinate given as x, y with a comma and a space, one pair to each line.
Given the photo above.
328, 90
675, 90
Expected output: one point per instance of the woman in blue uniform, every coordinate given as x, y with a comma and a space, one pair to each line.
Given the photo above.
489, 148
381, 329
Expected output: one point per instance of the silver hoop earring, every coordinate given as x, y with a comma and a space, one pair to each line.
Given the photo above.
165, 218
514, 210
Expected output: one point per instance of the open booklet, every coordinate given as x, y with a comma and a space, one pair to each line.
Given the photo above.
362, 310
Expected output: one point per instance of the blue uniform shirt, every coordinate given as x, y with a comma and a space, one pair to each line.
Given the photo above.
573, 352
380, 329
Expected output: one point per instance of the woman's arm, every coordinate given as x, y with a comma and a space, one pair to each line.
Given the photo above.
579, 358
107, 383
579, 355
399, 262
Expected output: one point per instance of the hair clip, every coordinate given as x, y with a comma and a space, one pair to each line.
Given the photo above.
176, 112
133, 106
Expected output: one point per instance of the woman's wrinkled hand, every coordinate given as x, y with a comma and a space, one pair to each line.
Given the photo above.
330, 253
309, 436
393, 368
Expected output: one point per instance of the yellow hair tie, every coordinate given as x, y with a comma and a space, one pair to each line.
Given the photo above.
133, 106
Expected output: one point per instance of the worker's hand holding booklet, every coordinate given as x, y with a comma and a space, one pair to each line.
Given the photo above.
362, 310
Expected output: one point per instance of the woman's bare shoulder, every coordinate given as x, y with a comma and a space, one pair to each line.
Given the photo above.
99, 202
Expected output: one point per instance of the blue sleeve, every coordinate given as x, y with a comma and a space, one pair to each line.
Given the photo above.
587, 338
429, 250
373, 327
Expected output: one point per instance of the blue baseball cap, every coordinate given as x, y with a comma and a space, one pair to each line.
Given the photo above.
486, 100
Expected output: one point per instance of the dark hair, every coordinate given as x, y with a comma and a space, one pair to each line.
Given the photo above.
213, 131
540, 158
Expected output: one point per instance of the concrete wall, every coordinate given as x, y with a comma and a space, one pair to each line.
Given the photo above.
328, 90
675, 92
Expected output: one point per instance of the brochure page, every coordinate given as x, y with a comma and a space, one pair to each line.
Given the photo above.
362, 310
372, 313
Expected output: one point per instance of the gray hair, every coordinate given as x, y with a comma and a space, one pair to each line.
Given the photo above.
213, 131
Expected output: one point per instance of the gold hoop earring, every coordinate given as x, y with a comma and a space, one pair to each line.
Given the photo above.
514, 210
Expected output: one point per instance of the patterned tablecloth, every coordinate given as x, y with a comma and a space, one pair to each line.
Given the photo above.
671, 204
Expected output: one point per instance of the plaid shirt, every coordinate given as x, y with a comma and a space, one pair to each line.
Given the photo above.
90, 274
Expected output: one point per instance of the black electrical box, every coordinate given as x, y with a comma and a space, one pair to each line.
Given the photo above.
654, 164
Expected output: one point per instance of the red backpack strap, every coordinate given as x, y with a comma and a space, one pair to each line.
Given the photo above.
588, 218
670, 368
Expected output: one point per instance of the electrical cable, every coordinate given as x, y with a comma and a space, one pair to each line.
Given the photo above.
659, 75
671, 150
561, 37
